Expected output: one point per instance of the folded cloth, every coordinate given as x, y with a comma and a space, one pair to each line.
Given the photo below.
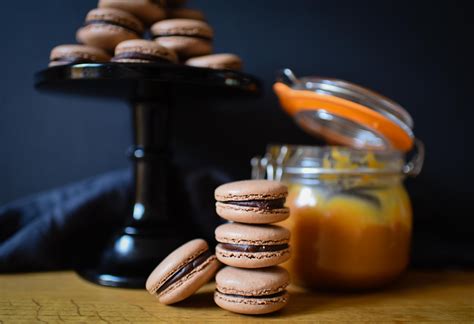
63, 228
55, 229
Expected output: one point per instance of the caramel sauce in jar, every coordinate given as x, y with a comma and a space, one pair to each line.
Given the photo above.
348, 240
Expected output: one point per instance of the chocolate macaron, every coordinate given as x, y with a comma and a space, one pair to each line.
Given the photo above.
75, 54
217, 61
143, 51
182, 272
187, 37
251, 246
107, 27
252, 201
148, 11
252, 291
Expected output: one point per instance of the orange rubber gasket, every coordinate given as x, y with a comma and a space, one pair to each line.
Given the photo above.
294, 101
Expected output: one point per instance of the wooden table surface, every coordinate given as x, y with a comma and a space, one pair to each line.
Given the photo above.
57, 297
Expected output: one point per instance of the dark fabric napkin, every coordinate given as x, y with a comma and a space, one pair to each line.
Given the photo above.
59, 229
52, 230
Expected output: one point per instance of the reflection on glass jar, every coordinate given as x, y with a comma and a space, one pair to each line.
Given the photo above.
351, 217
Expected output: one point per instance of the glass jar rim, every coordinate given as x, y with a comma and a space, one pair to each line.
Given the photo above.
290, 160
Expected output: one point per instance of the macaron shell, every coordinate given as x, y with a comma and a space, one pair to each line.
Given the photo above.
250, 260
250, 306
188, 285
146, 47
182, 27
185, 46
145, 10
252, 282
78, 51
251, 190
106, 37
251, 215
175, 261
217, 61
235, 233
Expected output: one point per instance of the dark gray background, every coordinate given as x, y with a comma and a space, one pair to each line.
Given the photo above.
414, 52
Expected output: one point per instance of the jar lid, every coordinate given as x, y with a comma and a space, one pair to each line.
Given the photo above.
345, 113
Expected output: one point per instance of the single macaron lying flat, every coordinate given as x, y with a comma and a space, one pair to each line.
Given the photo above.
252, 291
182, 272
106, 27
250, 246
143, 51
217, 61
252, 201
187, 37
148, 11
75, 54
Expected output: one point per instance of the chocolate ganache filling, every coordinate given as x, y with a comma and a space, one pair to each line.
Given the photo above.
253, 248
278, 294
114, 23
138, 56
264, 204
186, 269
183, 35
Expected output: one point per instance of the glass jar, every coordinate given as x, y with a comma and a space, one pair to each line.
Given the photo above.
351, 217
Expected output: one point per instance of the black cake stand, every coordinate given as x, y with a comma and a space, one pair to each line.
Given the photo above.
152, 230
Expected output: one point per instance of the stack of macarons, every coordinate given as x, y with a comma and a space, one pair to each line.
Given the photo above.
252, 247
119, 27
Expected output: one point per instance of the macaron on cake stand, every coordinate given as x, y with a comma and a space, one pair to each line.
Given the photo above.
152, 230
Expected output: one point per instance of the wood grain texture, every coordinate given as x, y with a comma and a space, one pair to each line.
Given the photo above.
58, 297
